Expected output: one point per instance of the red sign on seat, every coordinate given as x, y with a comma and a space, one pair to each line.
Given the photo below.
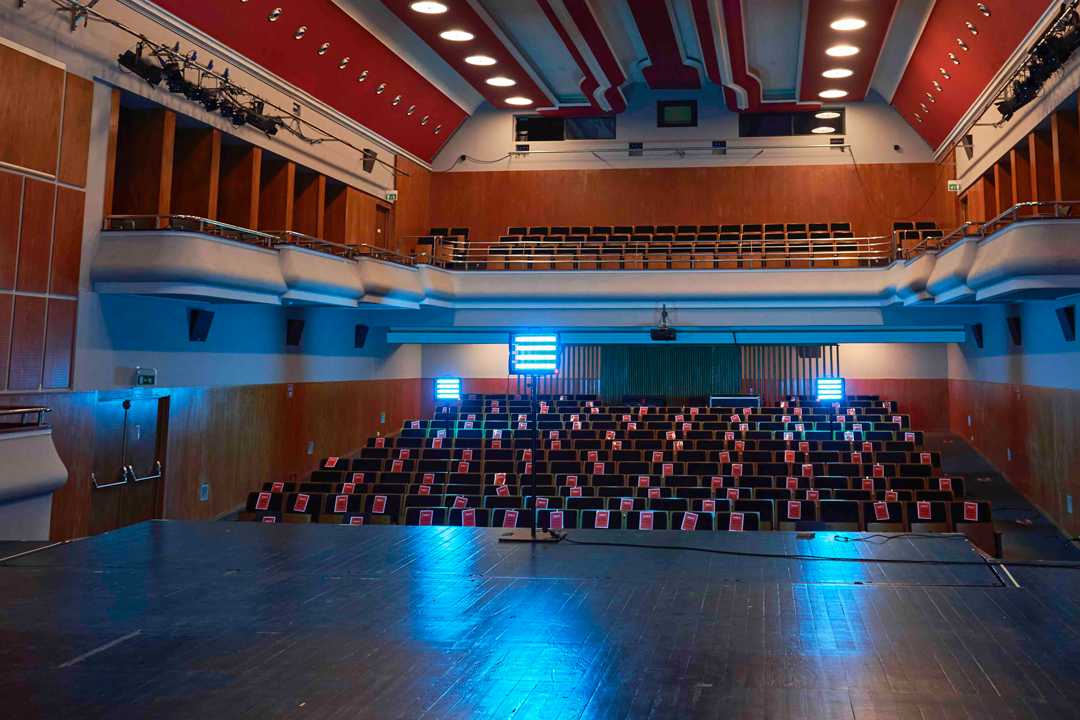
925, 459
789, 456
463, 467
609, 435
601, 520
736, 470
654, 493
867, 484
807, 470
423, 490
502, 491
269, 519
555, 520
645, 520
792, 483
397, 466
813, 495
945, 483
301, 503
460, 501
735, 522
668, 470
881, 511
380, 442
804, 447
500, 478
263, 501
971, 512
716, 482
378, 505
626, 504
922, 510
277, 487
510, 519
794, 510
468, 518
708, 506
689, 521
598, 468
733, 494
541, 503
331, 462
426, 516
891, 496
575, 491
356, 520
341, 503
592, 456
879, 470
403, 454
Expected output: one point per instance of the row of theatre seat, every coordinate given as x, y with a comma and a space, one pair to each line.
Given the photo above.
476, 462
652, 230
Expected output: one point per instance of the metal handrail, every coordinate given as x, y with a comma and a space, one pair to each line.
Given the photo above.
189, 223
1061, 208
40, 410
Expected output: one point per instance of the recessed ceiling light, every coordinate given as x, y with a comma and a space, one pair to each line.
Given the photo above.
842, 51
848, 23
481, 60
500, 81
823, 130
429, 7
827, 115
456, 35
518, 100
832, 94
837, 73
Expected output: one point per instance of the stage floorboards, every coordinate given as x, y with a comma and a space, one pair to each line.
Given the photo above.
238, 620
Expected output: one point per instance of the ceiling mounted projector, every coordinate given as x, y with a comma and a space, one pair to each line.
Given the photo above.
663, 333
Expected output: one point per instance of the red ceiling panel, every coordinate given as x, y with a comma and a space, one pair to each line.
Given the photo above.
486, 41
246, 28
820, 37
583, 25
667, 70
998, 35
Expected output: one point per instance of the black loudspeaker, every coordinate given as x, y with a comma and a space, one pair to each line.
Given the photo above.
977, 334
360, 336
294, 330
809, 352
1014, 330
199, 322
1067, 318
369, 160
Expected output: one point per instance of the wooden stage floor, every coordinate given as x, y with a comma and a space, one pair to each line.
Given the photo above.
236, 620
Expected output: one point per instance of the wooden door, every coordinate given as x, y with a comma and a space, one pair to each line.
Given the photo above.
129, 432
382, 226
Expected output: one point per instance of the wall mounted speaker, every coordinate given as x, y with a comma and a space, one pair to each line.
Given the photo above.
977, 335
199, 322
294, 330
360, 336
1067, 318
1014, 329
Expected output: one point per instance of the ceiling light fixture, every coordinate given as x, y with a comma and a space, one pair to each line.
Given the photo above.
428, 7
832, 94
848, 23
827, 115
842, 51
456, 35
518, 100
838, 73
500, 81
823, 130
480, 60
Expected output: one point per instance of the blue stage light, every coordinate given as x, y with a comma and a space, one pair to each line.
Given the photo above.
830, 388
534, 353
447, 388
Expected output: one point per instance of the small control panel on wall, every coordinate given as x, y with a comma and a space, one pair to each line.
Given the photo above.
45, 131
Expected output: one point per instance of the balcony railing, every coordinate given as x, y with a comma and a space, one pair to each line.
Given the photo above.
17, 418
459, 254
1020, 212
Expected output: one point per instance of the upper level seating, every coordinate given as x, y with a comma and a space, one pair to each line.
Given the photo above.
660, 247
912, 234
797, 465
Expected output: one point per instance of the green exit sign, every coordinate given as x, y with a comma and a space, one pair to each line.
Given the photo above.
954, 186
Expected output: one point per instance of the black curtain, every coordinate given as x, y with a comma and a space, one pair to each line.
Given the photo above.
673, 371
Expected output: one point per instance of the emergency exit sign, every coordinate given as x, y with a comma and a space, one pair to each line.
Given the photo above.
954, 186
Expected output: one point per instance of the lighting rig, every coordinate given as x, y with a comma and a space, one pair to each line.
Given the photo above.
183, 74
1049, 54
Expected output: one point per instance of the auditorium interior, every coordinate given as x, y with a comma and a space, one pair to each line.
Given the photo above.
562, 359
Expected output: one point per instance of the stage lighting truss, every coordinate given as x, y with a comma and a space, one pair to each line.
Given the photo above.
1045, 59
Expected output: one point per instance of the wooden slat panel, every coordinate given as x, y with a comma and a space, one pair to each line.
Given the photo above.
67, 242
27, 343
196, 171
59, 344
144, 160
35, 238
1065, 136
1003, 183
238, 192
6, 304
277, 194
10, 212
75, 140
31, 103
110, 152
1020, 161
1041, 152
309, 208
412, 211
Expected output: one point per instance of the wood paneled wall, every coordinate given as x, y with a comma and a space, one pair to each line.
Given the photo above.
1041, 428
234, 438
871, 198
412, 211
44, 138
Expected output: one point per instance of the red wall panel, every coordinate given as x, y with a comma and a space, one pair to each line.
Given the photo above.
10, 212
59, 344
67, 242
35, 237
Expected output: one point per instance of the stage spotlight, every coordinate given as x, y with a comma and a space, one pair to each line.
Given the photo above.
534, 353
369, 160
447, 388
829, 388
239, 117
133, 61
258, 120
